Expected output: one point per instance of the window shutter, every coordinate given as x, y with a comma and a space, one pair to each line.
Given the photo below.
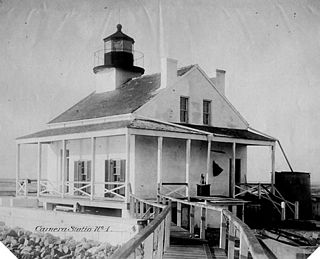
88, 170
122, 170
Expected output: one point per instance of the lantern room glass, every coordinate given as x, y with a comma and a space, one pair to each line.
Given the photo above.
118, 45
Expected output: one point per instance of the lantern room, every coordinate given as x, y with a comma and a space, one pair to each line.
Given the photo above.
118, 52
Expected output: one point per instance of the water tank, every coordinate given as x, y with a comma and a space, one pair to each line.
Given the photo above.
295, 186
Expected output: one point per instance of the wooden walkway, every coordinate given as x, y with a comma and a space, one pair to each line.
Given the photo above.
186, 245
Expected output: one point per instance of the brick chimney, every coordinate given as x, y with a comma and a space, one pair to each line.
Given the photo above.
168, 71
219, 80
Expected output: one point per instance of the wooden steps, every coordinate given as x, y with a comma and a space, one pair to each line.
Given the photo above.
187, 252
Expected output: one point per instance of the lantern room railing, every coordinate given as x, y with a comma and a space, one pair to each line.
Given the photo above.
98, 57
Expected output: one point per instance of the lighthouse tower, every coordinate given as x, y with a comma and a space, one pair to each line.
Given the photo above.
118, 62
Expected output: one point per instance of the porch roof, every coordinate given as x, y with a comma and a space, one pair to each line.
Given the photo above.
230, 133
134, 124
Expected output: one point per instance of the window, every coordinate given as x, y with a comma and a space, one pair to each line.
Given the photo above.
184, 109
206, 112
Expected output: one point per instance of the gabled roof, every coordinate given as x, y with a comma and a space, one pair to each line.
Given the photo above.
230, 133
126, 99
133, 124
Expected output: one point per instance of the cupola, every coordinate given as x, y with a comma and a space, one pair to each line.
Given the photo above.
115, 64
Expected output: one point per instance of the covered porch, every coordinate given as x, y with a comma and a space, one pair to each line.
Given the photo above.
94, 165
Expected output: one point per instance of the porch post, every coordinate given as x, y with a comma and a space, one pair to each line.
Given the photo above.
63, 167
232, 172
159, 164
188, 150
93, 165
208, 159
132, 162
127, 196
39, 169
272, 168
18, 167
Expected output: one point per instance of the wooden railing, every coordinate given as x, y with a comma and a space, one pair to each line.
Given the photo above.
24, 187
114, 190
152, 240
178, 190
235, 236
21, 187
48, 188
263, 191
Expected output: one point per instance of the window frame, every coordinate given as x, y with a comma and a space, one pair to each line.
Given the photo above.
206, 115
184, 113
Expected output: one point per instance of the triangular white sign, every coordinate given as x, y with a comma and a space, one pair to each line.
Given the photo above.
315, 254
5, 252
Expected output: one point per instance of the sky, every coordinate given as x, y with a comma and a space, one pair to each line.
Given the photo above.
270, 50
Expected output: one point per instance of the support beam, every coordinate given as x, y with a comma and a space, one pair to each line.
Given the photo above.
188, 151
93, 166
272, 169
202, 222
208, 160
63, 167
179, 214
127, 193
159, 164
283, 211
191, 225
18, 167
39, 169
223, 231
232, 171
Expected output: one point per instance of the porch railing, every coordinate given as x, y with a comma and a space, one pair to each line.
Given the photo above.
83, 189
25, 187
48, 188
112, 189
153, 240
21, 187
178, 190
263, 191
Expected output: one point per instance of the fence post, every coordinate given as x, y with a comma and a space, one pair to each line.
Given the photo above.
137, 208
25, 187
167, 230
231, 240
259, 190
203, 223
178, 214
283, 210
141, 209
223, 231
191, 225
296, 210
